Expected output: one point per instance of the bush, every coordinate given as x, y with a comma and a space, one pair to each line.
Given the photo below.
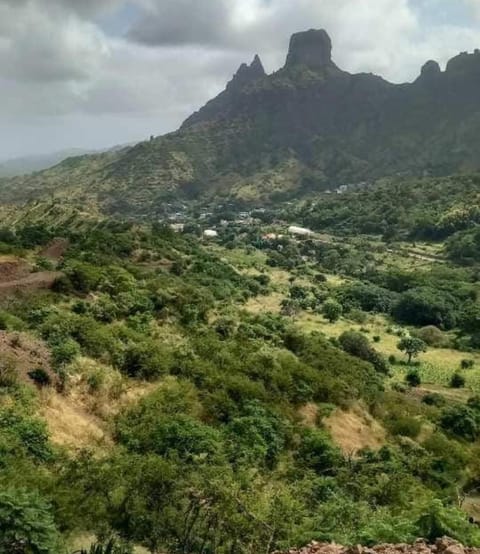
332, 310
457, 381
405, 426
26, 524
467, 364
110, 547
427, 306
40, 377
358, 316
145, 361
462, 421
357, 345
431, 335
65, 352
8, 374
317, 452
413, 379
434, 399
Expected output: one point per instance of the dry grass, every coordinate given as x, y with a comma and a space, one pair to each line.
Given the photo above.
70, 425
262, 304
309, 415
354, 430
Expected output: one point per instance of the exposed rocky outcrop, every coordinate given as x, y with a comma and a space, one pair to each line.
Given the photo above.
444, 545
312, 49
247, 74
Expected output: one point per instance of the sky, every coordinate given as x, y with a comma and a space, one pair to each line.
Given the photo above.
97, 73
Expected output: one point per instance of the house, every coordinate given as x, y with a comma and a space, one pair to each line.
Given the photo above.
300, 231
210, 233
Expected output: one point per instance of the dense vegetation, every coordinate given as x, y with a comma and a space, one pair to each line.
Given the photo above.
212, 453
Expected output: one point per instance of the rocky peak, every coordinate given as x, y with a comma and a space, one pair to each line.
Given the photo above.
465, 63
247, 74
431, 69
311, 48
430, 72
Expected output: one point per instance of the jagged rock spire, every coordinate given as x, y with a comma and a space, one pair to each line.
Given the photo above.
311, 48
247, 74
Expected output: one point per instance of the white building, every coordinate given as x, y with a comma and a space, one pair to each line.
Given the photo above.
301, 231
210, 233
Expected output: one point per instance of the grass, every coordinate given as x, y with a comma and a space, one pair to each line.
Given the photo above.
437, 365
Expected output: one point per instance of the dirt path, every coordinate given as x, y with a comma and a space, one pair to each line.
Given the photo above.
34, 281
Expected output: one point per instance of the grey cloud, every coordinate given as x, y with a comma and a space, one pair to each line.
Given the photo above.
183, 22
47, 45
65, 82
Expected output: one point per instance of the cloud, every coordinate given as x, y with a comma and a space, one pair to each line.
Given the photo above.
474, 6
381, 36
42, 45
82, 72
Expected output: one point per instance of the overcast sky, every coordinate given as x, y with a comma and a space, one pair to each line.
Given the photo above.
95, 73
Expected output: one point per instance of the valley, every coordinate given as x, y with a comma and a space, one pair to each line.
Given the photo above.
152, 349
254, 333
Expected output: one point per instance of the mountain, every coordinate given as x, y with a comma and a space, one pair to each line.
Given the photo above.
29, 164
306, 127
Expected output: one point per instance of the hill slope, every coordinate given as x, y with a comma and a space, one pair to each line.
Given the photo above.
308, 126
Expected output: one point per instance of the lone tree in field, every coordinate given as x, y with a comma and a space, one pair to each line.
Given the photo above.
332, 310
412, 346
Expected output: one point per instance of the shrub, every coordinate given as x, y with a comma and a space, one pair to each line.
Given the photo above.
8, 374
457, 381
358, 316
110, 547
405, 426
26, 524
431, 335
461, 421
357, 345
40, 377
332, 310
317, 452
413, 379
427, 306
467, 364
434, 399
64, 352
145, 360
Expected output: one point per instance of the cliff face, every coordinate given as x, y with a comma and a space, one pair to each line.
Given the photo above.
308, 126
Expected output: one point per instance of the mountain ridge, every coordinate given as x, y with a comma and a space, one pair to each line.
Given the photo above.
304, 128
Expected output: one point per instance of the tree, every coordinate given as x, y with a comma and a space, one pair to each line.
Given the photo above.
332, 310
26, 525
461, 421
412, 346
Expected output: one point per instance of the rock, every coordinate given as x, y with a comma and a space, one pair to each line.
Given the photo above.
311, 48
355, 550
430, 71
444, 543
455, 549
247, 74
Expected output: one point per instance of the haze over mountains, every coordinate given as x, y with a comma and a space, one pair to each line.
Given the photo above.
306, 127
